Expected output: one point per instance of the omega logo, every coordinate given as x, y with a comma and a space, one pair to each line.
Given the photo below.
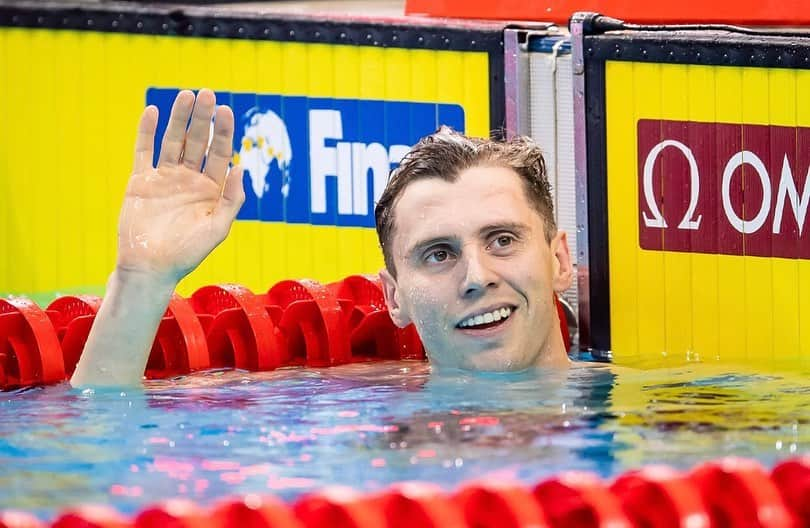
714, 208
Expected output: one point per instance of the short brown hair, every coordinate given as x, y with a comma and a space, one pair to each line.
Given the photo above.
444, 155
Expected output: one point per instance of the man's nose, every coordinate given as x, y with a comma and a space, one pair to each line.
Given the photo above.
479, 274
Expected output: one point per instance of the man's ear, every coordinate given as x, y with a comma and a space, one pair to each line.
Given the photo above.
390, 289
562, 267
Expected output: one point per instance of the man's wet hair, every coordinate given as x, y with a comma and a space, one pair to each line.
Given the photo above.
444, 155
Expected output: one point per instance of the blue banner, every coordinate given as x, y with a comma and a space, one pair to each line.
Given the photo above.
315, 160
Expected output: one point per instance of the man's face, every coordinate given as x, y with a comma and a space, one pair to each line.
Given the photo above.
475, 273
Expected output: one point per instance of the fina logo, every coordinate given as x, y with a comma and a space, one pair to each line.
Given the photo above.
316, 160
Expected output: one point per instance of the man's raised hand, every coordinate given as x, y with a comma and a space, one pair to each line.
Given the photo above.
175, 214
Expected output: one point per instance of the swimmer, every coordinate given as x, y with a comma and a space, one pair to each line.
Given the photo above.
472, 254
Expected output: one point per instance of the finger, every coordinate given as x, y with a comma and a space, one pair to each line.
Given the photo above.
145, 140
221, 151
199, 131
175, 135
233, 194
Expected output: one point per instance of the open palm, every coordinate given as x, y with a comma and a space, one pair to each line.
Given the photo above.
175, 214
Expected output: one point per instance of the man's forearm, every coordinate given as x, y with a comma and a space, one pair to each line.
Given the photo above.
119, 343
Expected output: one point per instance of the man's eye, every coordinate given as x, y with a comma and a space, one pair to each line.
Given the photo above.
502, 241
437, 256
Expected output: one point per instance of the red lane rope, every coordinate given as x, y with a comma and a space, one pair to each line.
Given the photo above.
296, 323
728, 493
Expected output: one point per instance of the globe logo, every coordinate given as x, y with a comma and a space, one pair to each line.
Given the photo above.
265, 141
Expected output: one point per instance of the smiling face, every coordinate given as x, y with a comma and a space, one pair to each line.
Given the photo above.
475, 272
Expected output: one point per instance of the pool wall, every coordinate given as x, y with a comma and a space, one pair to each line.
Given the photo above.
692, 166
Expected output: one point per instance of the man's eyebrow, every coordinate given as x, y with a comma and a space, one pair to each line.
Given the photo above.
503, 226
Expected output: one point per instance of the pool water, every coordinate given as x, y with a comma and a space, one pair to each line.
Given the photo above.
291, 431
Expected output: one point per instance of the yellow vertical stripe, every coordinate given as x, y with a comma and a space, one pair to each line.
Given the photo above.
731, 281
398, 83
245, 235
782, 100
23, 148
424, 80
758, 270
324, 240
123, 106
622, 221
271, 78
652, 313
373, 72
42, 200
347, 80
97, 233
704, 293
299, 261
803, 286
476, 95
67, 170
677, 265
5, 184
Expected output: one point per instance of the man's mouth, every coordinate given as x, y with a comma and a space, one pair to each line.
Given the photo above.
486, 319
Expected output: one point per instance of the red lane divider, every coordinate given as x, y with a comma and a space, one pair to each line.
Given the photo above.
373, 334
180, 346
500, 507
312, 321
338, 508
739, 492
660, 496
792, 477
91, 516
72, 317
420, 504
240, 332
29, 347
254, 512
302, 323
176, 513
579, 500
729, 493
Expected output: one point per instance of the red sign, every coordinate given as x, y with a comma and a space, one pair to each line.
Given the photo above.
732, 189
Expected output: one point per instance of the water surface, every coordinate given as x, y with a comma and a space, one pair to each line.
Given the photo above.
367, 426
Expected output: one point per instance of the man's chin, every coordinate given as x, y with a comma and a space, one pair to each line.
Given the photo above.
486, 361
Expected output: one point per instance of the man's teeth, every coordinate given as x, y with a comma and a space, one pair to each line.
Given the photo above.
489, 317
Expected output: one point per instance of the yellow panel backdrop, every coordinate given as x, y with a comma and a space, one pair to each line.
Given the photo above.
676, 306
71, 101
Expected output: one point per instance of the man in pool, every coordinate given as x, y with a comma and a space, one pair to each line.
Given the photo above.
472, 253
